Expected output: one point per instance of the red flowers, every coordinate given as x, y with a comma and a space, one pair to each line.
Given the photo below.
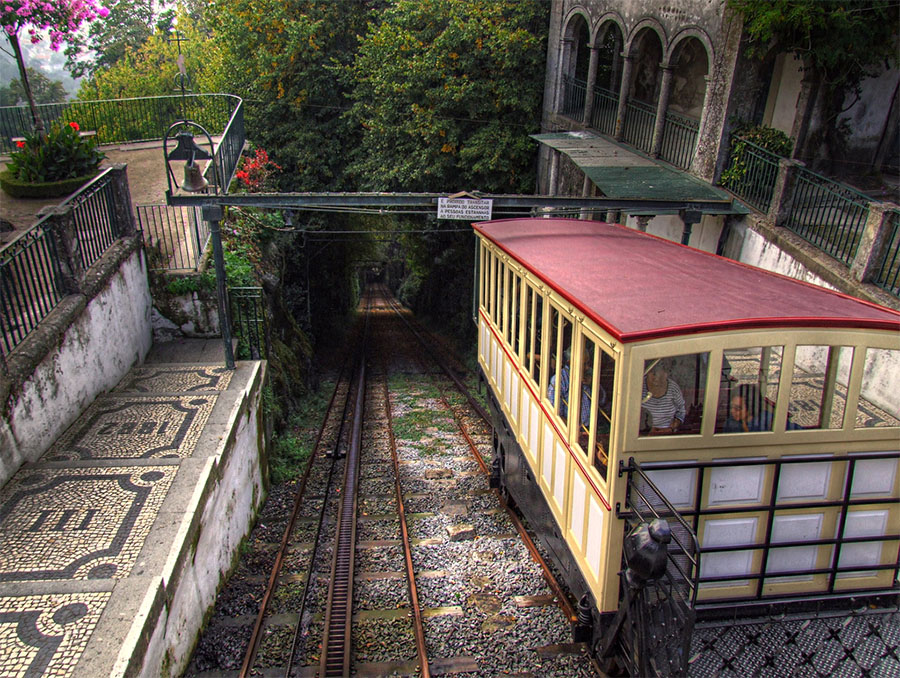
20, 144
74, 126
256, 171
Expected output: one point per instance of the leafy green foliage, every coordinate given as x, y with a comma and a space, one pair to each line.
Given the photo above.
188, 284
280, 57
447, 92
771, 139
60, 154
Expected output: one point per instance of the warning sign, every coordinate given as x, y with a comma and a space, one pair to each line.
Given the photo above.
464, 209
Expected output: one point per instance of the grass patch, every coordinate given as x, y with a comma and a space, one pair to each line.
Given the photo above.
414, 424
293, 448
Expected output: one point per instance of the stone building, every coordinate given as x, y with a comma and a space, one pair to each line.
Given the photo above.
655, 89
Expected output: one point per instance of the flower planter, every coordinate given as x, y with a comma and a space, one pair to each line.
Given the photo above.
50, 189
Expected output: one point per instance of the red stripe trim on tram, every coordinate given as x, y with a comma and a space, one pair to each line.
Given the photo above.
563, 438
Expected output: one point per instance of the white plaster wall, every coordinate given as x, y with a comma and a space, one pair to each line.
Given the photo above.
781, 105
704, 235
110, 336
226, 504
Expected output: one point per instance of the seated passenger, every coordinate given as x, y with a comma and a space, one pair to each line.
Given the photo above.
663, 401
564, 392
749, 412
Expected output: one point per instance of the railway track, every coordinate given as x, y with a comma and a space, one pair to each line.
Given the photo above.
397, 559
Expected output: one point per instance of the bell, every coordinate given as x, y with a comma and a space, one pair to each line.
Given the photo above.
193, 179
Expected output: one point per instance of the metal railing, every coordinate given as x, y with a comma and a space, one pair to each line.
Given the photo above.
752, 174
175, 237
603, 114
29, 287
828, 214
887, 275
124, 120
248, 322
768, 508
652, 630
31, 269
679, 139
640, 121
574, 97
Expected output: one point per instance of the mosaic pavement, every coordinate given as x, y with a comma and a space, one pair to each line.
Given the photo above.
85, 510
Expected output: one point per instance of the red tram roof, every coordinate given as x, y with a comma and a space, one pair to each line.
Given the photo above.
637, 286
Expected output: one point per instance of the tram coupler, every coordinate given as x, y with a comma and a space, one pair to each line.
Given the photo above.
494, 480
583, 629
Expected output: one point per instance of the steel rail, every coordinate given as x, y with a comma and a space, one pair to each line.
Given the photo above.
337, 636
256, 634
418, 620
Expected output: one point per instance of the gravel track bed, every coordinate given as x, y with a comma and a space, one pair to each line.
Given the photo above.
381, 559
241, 597
308, 651
472, 482
275, 646
304, 530
317, 595
377, 505
382, 640
296, 561
372, 471
423, 504
221, 647
444, 488
442, 591
288, 597
380, 486
310, 506
491, 524
377, 530
380, 594
429, 527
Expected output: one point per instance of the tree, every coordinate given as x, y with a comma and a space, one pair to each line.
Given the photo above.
841, 42
130, 25
151, 68
447, 92
283, 58
60, 18
44, 90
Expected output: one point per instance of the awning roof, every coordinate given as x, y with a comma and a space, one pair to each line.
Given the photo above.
621, 172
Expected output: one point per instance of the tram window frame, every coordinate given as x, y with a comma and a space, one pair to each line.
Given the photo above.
560, 327
483, 275
763, 390
838, 364
598, 408
701, 392
880, 367
515, 306
501, 281
540, 325
492, 274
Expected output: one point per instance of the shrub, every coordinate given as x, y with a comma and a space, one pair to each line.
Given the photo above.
62, 153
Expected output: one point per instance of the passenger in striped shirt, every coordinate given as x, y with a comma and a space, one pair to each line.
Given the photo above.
662, 399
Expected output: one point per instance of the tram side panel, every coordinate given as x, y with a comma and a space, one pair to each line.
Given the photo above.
550, 489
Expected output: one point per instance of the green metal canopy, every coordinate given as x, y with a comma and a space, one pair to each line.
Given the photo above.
621, 172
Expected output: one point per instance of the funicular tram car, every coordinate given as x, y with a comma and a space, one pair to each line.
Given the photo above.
631, 377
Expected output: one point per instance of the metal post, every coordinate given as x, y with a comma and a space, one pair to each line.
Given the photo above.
213, 215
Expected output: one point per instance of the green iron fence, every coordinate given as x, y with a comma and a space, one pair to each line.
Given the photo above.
248, 322
828, 214
679, 139
752, 174
887, 275
574, 97
31, 272
124, 120
175, 237
640, 120
603, 114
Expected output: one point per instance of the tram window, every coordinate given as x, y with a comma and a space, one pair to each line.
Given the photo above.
501, 280
594, 406
879, 402
552, 362
748, 389
560, 366
514, 294
537, 333
492, 277
819, 387
528, 326
672, 394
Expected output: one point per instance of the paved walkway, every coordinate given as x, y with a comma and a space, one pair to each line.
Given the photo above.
87, 532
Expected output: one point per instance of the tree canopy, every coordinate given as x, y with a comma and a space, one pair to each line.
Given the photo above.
45, 90
446, 93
